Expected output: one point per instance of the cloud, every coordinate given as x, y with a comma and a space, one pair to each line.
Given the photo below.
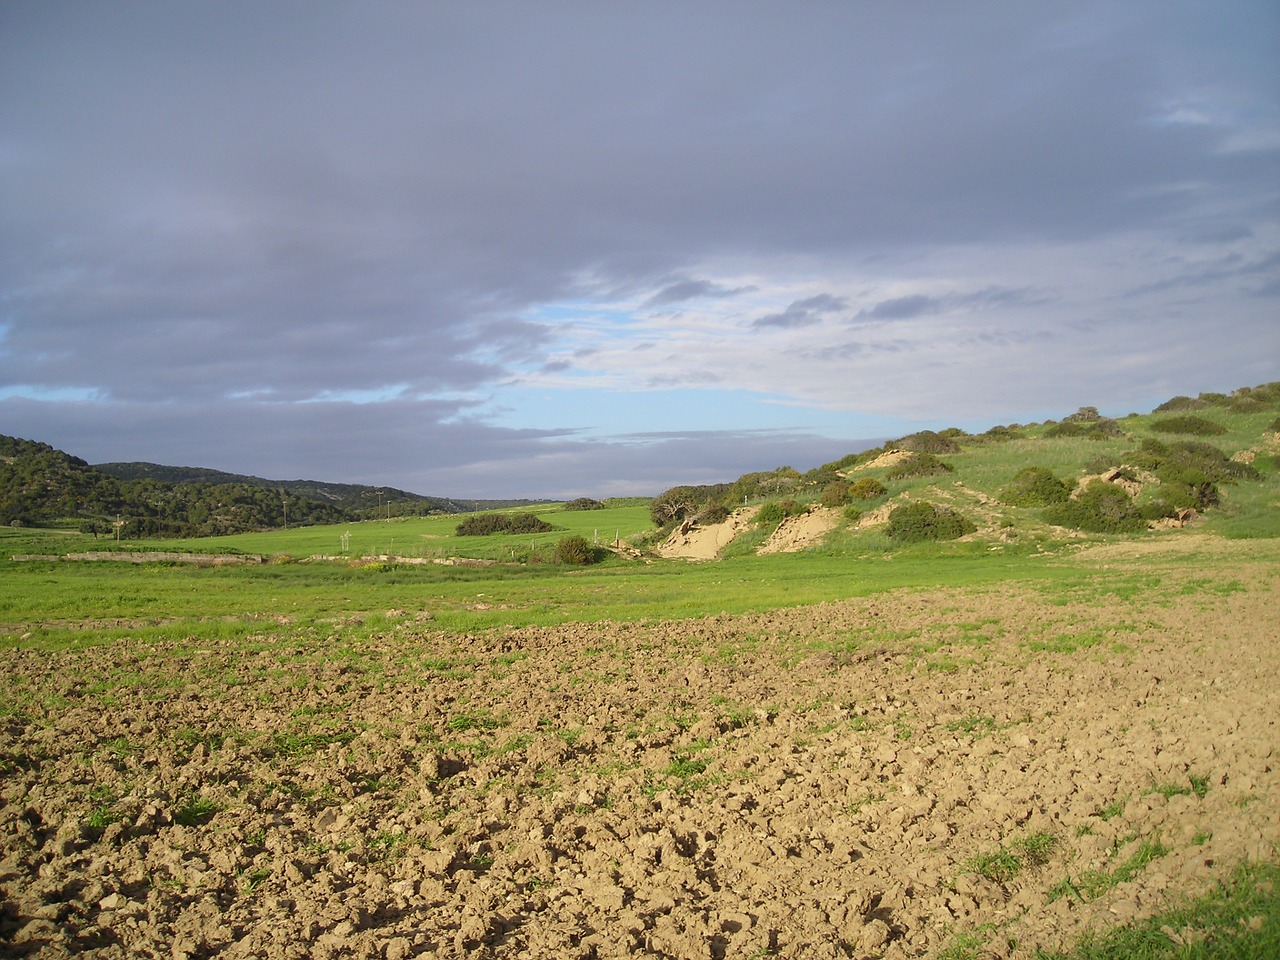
902, 308
684, 290
236, 210
802, 313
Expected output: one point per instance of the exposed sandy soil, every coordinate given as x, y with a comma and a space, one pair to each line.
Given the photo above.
812, 782
705, 543
799, 533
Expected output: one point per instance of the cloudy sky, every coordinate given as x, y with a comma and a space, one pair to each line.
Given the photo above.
549, 249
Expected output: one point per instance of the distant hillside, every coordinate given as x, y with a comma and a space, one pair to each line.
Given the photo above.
39, 484
1214, 458
350, 496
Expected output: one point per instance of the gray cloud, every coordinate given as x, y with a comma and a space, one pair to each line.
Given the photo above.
802, 313
902, 308
684, 290
232, 208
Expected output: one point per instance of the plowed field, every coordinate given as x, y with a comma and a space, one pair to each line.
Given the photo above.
1004, 767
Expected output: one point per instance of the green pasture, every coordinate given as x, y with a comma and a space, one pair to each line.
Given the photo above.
58, 603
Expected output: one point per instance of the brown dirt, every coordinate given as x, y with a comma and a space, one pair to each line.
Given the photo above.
801, 532
813, 782
705, 543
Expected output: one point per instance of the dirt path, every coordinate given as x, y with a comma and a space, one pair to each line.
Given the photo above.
815, 782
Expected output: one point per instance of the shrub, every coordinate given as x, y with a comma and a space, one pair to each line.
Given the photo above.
484, 524
715, 513
1100, 508
1274, 425
1180, 403
920, 521
918, 465
1198, 426
1000, 434
1035, 487
852, 514
927, 441
575, 551
867, 488
1098, 429
584, 503
773, 513
835, 494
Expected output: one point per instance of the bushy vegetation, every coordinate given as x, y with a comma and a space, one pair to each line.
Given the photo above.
774, 512
921, 521
1035, 487
1099, 508
1197, 426
867, 488
575, 551
835, 494
1189, 472
39, 484
1180, 403
1080, 424
918, 465
485, 524
584, 503
927, 441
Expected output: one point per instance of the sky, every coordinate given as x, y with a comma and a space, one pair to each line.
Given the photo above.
558, 249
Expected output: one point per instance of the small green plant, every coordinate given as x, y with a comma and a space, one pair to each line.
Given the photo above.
1007, 862
195, 810
1094, 883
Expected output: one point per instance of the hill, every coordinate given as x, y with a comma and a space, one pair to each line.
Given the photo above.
41, 485
1210, 459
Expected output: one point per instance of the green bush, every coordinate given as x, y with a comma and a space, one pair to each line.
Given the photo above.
1099, 429
715, 513
773, 513
1198, 426
1000, 434
918, 465
1274, 425
484, 524
867, 488
927, 441
584, 503
852, 514
835, 494
1099, 508
575, 551
1035, 487
920, 521
1178, 404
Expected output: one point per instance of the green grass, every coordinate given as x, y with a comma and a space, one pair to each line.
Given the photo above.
1238, 920
1092, 884
1009, 861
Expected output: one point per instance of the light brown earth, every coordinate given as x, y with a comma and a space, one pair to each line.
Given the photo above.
705, 542
803, 531
814, 782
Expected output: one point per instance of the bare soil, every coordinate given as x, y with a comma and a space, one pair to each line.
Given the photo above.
814, 782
